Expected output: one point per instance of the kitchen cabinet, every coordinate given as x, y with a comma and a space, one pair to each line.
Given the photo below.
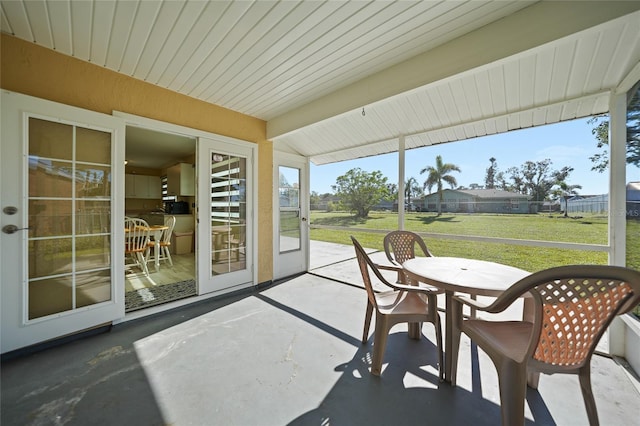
181, 180
142, 186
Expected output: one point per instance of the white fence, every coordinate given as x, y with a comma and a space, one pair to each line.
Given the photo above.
595, 204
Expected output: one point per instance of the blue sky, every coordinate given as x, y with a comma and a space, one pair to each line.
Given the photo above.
566, 144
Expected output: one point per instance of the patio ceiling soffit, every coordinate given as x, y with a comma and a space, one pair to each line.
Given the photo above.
476, 90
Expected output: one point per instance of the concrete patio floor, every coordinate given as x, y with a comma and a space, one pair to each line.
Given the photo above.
287, 355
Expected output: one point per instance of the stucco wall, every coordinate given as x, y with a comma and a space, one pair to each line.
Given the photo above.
43, 73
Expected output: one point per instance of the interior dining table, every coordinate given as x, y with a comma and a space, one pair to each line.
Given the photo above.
461, 275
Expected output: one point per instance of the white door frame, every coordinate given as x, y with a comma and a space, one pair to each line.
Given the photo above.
17, 330
235, 280
293, 262
162, 126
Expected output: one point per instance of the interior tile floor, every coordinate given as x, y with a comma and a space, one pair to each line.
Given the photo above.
289, 354
184, 268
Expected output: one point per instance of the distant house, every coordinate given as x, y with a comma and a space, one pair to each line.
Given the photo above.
479, 201
413, 206
385, 205
633, 200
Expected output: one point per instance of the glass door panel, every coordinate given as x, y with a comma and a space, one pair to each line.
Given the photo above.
225, 214
291, 209
228, 213
61, 165
289, 205
69, 201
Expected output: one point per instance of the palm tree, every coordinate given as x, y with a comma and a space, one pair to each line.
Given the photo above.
438, 174
411, 187
565, 191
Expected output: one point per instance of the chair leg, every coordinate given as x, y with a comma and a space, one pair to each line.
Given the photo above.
512, 378
415, 330
379, 344
167, 254
456, 314
142, 261
472, 311
147, 254
438, 327
367, 322
587, 394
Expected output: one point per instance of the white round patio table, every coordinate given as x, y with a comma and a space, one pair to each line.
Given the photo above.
456, 274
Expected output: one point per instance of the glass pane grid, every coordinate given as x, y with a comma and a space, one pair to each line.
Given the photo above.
228, 214
69, 210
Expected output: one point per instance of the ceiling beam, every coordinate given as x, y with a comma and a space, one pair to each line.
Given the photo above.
528, 28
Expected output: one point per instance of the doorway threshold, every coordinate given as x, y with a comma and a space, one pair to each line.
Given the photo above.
151, 296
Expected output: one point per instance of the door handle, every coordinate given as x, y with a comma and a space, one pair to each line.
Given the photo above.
11, 229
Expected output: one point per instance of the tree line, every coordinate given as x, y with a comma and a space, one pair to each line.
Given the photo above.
359, 191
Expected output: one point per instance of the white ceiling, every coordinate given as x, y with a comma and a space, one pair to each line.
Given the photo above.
567, 79
157, 150
260, 58
435, 71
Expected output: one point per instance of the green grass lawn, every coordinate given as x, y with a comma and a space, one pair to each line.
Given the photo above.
633, 244
544, 227
590, 230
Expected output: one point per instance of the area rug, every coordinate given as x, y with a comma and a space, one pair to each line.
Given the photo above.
151, 296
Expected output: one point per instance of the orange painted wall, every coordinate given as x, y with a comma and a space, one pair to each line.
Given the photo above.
43, 73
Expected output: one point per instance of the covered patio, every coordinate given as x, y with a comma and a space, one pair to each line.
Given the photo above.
390, 77
289, 353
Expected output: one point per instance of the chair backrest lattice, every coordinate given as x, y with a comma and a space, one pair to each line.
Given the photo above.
403, 244
575, 313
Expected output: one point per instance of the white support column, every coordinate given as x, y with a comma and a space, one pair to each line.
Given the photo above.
617, 178
617, 203
401, 182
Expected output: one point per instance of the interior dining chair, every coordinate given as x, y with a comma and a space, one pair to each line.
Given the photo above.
401, 303
574, 305
136, 242
165, 240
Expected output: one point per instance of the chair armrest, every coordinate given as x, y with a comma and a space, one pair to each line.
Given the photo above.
472, 303
400, 270
416, 289
387, 267
499, 304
